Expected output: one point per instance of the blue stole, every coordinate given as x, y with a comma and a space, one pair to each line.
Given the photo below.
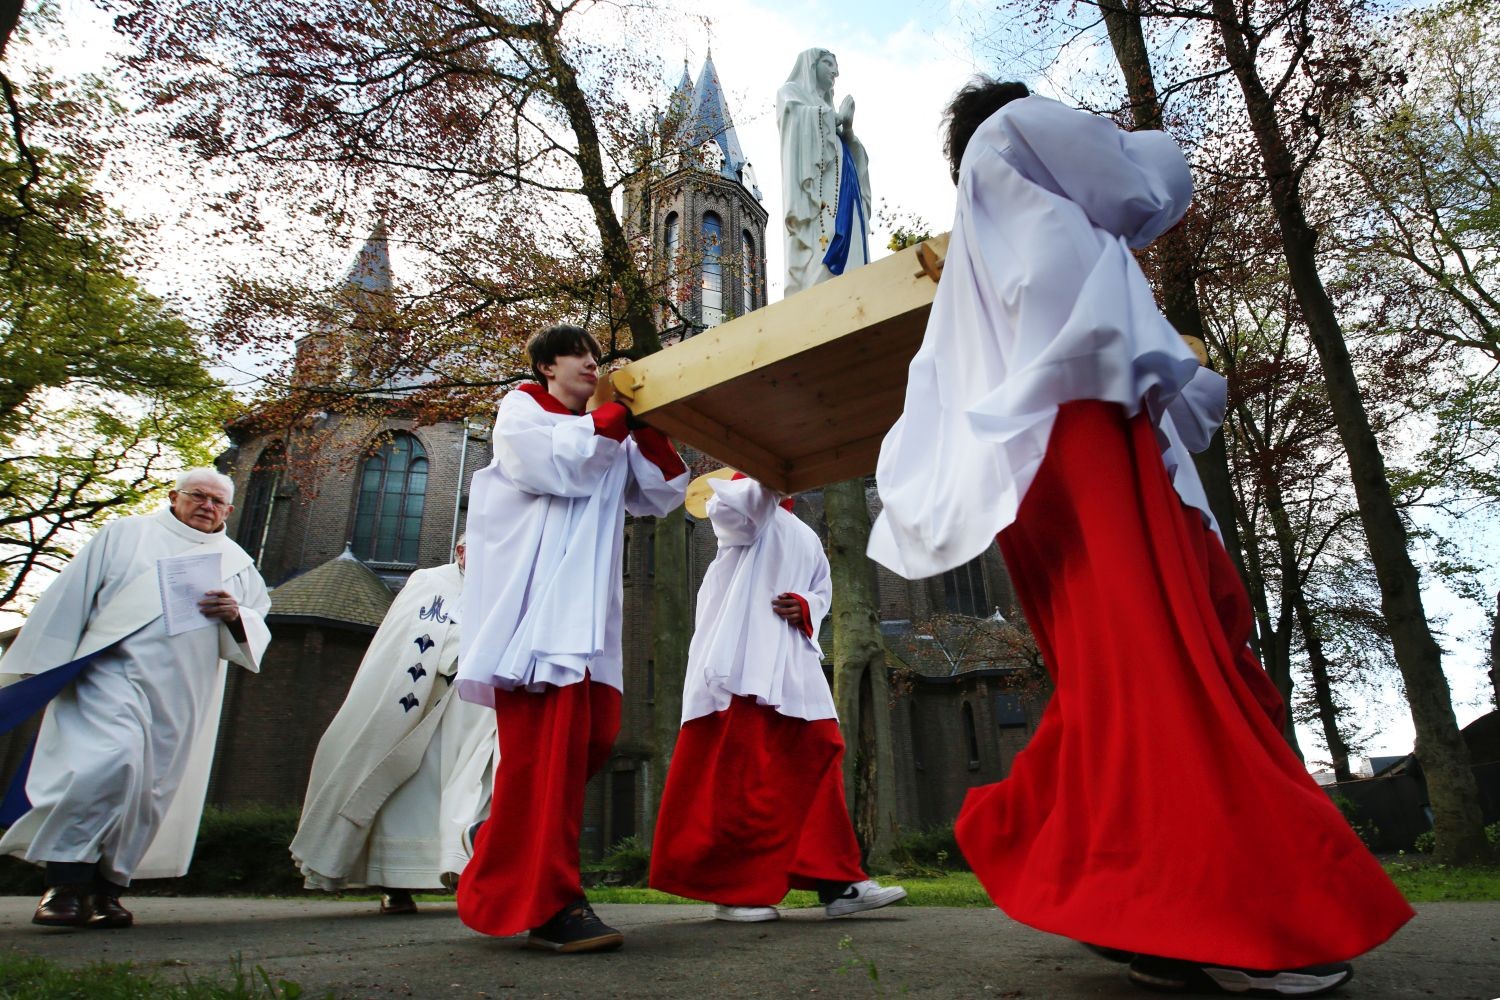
19, 702
849, 204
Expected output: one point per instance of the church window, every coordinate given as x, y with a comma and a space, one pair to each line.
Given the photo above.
971, 734
260, 496
392, 491
747, 272
673, 240
964, 591
712, 270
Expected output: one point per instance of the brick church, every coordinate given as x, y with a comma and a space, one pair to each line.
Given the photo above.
338, 546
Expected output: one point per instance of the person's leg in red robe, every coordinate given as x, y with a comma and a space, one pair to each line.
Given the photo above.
1157, 809
753, 806
525, 864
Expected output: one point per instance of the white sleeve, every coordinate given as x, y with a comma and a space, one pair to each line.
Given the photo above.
648, 492
740, 510
544, 455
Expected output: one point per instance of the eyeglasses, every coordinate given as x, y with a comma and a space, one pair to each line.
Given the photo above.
207, 498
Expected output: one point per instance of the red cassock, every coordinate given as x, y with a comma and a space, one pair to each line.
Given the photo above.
1158, 809
754, 806
558, 716
525, 863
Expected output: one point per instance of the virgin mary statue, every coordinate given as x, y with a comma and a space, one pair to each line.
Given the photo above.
825, 175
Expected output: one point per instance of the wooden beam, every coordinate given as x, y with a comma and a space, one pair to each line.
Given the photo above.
799, 393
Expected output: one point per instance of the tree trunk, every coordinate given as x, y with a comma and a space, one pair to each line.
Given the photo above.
1176, 273
10, 16
1495, 656
671, 634
1328, 710
1451, 787
861, 686
1274, 647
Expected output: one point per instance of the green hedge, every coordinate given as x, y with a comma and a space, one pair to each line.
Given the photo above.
239, 852
928, 852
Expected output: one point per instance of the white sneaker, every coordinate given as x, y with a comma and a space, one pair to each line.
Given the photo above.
747, 914
866, 895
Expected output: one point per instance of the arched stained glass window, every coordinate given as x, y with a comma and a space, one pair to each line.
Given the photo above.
713, 271
392, 490
673, 241
747, 271
260, 497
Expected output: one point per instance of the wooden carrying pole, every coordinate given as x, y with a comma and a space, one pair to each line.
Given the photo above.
798, 394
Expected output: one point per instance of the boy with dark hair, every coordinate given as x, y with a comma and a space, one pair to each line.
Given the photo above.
541, 635
1157, 811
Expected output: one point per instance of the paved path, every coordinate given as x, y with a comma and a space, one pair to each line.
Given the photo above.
1451, 951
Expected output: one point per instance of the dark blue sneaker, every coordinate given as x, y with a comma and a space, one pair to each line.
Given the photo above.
575, 929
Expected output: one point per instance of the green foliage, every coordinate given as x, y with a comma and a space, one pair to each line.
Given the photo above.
861, 964
105, 393
927, 853
902, 237
1365, 828
243, 852
238, 852
1427, 842
628, 863
23, 977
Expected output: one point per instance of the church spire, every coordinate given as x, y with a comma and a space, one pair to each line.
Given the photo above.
371, 269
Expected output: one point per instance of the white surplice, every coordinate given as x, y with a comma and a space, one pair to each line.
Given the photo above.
405, 765
545, 532
740, 646
1041, 302
123, 755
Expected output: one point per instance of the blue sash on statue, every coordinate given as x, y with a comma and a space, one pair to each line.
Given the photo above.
850, 203
19, 702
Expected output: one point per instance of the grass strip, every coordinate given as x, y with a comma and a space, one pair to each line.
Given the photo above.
26, 977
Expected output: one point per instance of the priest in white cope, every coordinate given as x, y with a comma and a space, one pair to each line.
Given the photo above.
405, 767
754, 801
121, 763
1157, 813
541, 637
825, 175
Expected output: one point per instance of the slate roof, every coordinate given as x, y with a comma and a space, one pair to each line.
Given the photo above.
342, 590
371, 269
703, 110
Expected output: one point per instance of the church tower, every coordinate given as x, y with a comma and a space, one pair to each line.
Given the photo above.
697, 204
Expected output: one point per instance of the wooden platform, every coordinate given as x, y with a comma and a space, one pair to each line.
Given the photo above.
800, 393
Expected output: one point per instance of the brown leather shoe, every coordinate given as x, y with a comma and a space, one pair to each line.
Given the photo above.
63, 906
108, 914
397, 903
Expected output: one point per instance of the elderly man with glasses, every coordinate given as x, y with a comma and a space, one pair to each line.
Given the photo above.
127, 648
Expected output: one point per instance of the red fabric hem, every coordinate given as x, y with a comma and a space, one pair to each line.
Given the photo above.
1157, 807
754, 806
526, 860
544, 399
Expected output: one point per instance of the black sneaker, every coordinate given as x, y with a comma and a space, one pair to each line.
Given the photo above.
575, 928
1171, 975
